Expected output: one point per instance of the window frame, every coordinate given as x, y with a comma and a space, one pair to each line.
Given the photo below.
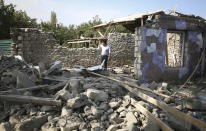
183, 51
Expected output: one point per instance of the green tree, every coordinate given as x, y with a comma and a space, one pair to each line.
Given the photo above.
10, 18
6, 19
22, 20
64, 33
45, 26
85, 29
53, 20
121, 29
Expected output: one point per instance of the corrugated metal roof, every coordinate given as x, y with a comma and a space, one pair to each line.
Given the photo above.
129, 18
5, 45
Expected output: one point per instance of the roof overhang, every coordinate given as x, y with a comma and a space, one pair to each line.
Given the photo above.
128, 20
132, 21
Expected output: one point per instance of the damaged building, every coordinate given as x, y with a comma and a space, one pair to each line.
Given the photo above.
163, 47
41, 90
167, 46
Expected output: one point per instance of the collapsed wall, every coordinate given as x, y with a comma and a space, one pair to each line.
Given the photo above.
37, 46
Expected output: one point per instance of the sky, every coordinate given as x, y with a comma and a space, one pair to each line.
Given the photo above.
79, 11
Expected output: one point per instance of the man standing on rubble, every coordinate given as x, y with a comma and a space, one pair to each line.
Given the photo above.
106, 52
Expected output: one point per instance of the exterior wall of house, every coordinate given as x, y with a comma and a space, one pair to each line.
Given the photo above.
37, 46
150, 50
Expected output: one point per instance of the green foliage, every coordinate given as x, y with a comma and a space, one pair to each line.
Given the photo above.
85, 29
6, 18
45, 26
10, 18
63, 33
121, 29
22, 20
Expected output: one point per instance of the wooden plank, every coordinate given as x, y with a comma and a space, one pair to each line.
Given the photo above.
56, 78
144, 111
203, 60
134, 85
80, 41
96, 38
187, 118
166, 53
57, 86
125, 78
26, 89
142, 21
4, 115
39, 87
30, 99
183, 48
100, 33
165, 107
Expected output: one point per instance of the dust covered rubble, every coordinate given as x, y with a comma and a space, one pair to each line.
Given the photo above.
88, 103
95, 104
13, 73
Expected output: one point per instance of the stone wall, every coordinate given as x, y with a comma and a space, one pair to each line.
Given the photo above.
37, 46
122, 47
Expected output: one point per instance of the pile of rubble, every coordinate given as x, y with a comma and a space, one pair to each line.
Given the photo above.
86, 102
51, 99
11, 70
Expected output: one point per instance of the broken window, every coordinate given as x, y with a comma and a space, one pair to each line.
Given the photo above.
175, 49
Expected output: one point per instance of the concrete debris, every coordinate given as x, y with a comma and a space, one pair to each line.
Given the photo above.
131, 118
150, 126
23, 80
31, 123
126, 70
5, 126
112, 128
126, 100
70, 126
132, 127
164, 85
66, 111
46, 108
52, 99
64, 95
19, 57
77, 102
54, 67
97, 95
145, 105
153, 85
114, 104
9, 65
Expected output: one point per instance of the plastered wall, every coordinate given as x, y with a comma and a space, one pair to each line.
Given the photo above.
150, 53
